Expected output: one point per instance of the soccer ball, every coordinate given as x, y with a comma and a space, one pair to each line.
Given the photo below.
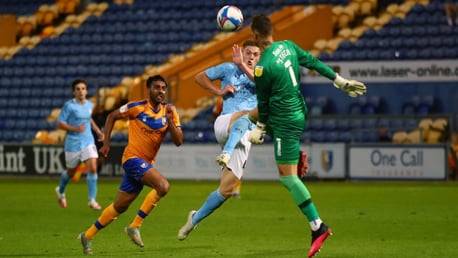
229, 18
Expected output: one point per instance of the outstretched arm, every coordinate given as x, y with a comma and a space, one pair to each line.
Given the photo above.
205, 82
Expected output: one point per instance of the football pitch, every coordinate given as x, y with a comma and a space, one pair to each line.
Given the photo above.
369, 219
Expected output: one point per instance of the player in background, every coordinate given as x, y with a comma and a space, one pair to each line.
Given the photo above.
79, 145
149, 122
231, 127
282, 111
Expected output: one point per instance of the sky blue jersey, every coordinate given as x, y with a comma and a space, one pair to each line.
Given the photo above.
75, 114
244, 97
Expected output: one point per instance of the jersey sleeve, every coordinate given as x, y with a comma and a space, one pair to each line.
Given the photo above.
306, 59
64, 113
263, 91
217, 72
131, 109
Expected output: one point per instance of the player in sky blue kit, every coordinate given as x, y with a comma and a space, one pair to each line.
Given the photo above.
76, 118
231, 127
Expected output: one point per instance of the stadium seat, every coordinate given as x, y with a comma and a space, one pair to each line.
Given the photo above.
344, 137
329, 124
318, 136
306, 136
343, 124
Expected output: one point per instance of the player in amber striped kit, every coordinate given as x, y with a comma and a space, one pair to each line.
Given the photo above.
149, 122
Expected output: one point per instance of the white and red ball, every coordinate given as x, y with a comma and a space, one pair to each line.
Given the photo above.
229, 18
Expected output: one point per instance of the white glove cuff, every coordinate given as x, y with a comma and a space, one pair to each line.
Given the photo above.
339, 81
261, 125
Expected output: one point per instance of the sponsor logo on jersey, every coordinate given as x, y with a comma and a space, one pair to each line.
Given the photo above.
258, 71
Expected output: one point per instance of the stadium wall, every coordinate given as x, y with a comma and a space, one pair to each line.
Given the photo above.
197, 162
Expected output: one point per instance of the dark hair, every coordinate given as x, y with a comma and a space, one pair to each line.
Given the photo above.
250, 43
153, 78
262, 25
76, 82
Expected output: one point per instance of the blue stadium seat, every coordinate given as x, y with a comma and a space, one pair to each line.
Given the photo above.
306, 136
331, 136
330, 124
344, 137
343, 124
318, 136
315, 124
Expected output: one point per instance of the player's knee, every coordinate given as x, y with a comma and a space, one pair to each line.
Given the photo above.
162, 188
120, 207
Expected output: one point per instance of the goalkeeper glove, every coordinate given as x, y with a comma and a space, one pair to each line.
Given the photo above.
257, 135
351, 87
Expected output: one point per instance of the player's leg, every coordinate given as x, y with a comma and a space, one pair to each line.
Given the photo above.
236, 192
129, 189
302, 165
109, 214
218, 197
72, 160
160, 186
230, 177
151, 177
214, 201
91, 180
238, 125
286, 149
449, 13
89, 155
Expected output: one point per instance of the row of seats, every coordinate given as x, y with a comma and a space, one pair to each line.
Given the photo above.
24, 113
22, 7
49, 102
45, 92
20, 124
356, 136
422, 34
318, 131
333, 123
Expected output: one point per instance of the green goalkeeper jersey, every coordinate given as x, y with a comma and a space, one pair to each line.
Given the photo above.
277, 77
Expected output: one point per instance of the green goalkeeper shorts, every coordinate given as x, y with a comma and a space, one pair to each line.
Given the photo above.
286, 139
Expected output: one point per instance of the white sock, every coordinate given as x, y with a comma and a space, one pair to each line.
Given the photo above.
315, 224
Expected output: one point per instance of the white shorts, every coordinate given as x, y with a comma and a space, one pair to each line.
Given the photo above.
73, 159
240, 155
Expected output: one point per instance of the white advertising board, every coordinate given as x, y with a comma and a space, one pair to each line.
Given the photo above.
326, 160
391, 71
422, 162
198, 161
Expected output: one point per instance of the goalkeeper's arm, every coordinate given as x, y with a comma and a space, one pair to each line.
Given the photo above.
351, 87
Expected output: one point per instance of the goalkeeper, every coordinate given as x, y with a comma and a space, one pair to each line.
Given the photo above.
282, 110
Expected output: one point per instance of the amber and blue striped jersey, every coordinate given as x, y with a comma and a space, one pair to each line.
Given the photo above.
147, 129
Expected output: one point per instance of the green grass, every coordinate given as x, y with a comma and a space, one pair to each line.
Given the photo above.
369, 219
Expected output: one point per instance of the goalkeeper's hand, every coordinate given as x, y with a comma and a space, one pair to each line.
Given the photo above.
351, 87
257, 135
